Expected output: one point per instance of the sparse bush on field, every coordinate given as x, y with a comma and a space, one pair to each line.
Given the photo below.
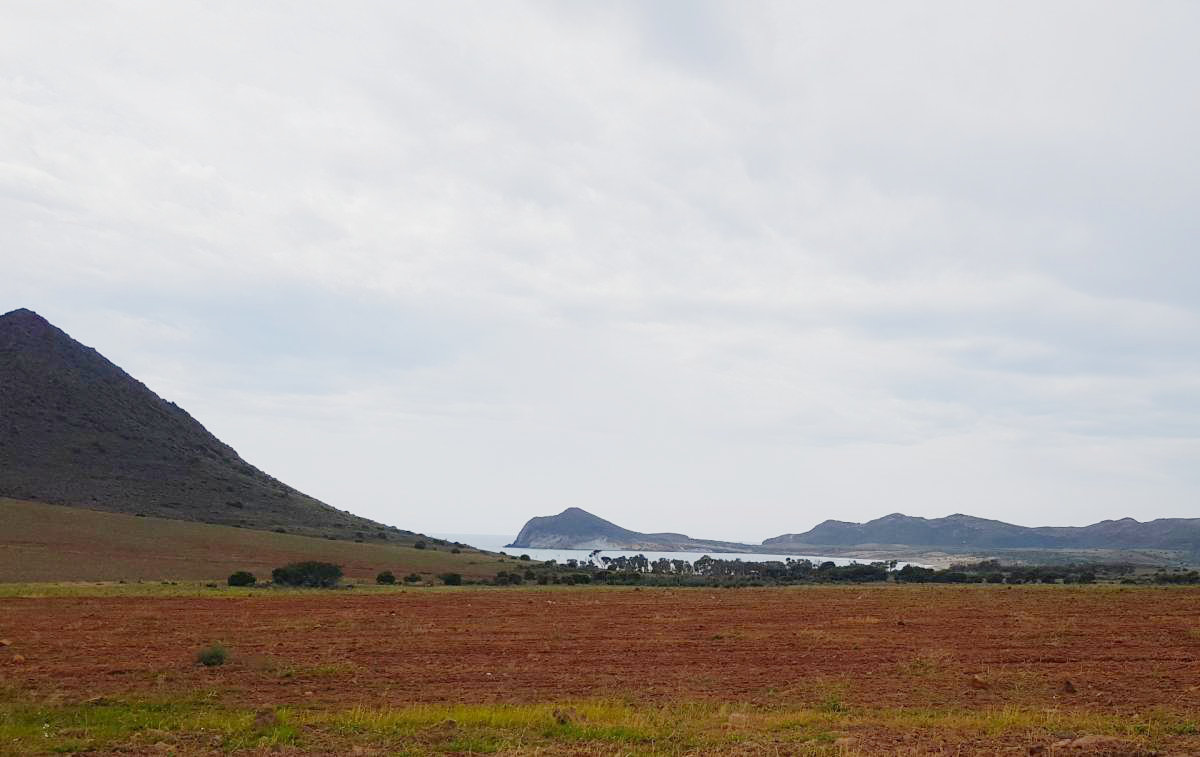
451, 579
524, 557
455, 551
419, 545
413, 578
1190, 577
310, 573
212, 656
505, 578
386, 577
242, 578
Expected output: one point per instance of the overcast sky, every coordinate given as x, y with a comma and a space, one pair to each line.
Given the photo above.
722, 268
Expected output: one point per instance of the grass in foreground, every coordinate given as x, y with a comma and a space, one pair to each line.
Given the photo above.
601, 727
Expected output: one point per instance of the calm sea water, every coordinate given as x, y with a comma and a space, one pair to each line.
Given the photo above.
495, 543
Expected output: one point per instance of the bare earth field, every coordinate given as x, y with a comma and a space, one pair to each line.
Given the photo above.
824, 670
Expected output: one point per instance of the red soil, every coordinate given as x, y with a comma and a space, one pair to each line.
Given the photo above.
1123, 651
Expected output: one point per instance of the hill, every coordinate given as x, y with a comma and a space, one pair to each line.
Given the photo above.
41, 542
574, 528
934, 541
77, 430
967, 532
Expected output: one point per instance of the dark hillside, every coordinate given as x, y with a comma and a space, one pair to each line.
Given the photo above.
571, 526
77, 430
575, 528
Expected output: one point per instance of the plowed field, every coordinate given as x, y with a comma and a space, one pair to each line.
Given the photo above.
1119, 656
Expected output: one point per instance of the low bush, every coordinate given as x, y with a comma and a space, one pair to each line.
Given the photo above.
242, 578
212, 656
413, 578
451, 579
504, 578
311, 573
386, 577
419, 545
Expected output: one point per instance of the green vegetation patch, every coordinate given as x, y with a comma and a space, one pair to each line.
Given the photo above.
107, 723
199, 724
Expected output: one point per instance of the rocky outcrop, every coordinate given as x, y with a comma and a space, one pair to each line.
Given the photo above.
574, 528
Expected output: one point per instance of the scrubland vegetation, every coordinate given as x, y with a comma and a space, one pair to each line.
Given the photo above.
734, 572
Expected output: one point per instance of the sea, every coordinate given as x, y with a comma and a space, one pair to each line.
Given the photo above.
496, 543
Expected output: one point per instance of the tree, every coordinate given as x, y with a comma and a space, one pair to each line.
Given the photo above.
310, 573
242, 578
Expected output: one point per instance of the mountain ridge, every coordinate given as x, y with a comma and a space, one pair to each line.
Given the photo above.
967, 531
575, 528
77, 430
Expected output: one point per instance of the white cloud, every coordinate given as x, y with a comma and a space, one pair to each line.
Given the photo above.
666, 261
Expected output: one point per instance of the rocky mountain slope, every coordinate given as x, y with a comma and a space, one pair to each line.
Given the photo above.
574, 528
77, 430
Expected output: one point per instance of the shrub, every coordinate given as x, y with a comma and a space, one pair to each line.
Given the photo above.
212, 656
524, 557
419, 545
386, 577
451, 579
242, 578
413, 578
310, 573
456, 551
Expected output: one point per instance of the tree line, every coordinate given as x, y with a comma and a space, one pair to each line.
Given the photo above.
713, 571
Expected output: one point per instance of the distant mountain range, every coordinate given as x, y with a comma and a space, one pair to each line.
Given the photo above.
77, 430
578, 529
970, 532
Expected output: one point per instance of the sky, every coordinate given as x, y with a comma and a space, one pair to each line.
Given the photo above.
725, 268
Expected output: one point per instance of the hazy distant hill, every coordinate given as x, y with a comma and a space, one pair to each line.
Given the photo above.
965, 531
574, 528
77, 430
